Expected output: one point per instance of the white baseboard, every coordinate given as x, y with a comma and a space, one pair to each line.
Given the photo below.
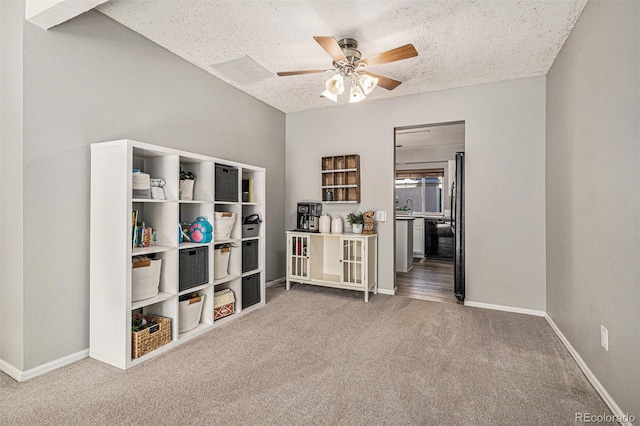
386, 291
276, 281
617, 411
10, 370
54, 365
505, 308
23, 376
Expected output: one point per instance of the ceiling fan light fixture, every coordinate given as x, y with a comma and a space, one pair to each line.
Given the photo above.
367, 83
327, 94
356, 94
335, 85
348, 63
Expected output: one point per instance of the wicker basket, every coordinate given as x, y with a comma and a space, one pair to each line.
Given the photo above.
151, 338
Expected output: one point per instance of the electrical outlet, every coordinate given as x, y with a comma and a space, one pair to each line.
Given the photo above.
604, 338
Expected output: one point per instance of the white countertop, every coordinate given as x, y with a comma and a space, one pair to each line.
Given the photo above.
422, 216
330, 234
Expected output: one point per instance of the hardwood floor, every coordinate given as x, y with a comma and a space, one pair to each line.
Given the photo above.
428, 280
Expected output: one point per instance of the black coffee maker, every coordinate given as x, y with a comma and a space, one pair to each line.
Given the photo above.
308, 218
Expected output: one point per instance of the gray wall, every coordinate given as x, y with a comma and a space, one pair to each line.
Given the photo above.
592, 192
11, 259
505, 142
90, 80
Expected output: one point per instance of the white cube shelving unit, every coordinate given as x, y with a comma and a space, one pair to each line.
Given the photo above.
111, 242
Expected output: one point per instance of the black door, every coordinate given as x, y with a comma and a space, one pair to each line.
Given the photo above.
457, 226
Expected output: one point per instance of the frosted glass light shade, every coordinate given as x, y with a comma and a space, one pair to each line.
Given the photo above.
327, 94
356, 94
368, 83
335, 85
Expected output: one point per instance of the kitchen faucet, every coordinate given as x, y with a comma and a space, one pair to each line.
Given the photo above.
406, 206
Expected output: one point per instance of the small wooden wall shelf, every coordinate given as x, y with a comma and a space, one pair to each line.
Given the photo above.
341, 179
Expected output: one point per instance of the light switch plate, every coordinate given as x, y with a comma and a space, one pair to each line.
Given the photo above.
381, 216
604, 337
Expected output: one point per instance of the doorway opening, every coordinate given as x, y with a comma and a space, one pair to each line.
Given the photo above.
429, 211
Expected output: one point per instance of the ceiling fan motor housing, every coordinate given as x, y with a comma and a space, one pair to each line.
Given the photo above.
349, 48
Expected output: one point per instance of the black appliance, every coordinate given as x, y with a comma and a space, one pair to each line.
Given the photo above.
457, 226
308, 217
439, 239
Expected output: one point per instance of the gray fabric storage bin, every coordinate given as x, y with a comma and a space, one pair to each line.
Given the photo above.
194, 267
251, 290
250, 230
249, 255
226, 183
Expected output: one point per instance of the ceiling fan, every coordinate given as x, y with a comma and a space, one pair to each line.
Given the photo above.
348, 65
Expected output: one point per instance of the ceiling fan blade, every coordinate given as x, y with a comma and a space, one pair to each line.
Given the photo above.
399, 53
384, 82
286, 73
330, 45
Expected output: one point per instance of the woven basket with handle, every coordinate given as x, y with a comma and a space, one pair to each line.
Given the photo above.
151, 338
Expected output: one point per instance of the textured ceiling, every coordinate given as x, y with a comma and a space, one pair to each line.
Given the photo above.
460, 43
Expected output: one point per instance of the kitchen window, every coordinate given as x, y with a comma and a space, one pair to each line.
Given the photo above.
420, 191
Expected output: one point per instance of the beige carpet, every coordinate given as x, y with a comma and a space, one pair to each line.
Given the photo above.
323, 356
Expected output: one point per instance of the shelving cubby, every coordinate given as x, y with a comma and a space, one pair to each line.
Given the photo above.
161, 165
206, 316
235, 285
255, 180
161, 217
112, 250
236, 232
203, 171
341, 179
167, 288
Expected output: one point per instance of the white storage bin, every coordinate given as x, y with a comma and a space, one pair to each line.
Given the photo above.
223, 225
145, 281
186, 189
141, 185
189, 314
221, 262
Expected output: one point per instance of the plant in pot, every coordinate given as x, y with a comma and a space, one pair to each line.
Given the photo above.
357, 221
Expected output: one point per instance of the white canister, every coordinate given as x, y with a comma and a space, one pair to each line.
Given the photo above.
336, 225
325, 223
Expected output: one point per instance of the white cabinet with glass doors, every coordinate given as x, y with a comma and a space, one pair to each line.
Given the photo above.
347, 261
